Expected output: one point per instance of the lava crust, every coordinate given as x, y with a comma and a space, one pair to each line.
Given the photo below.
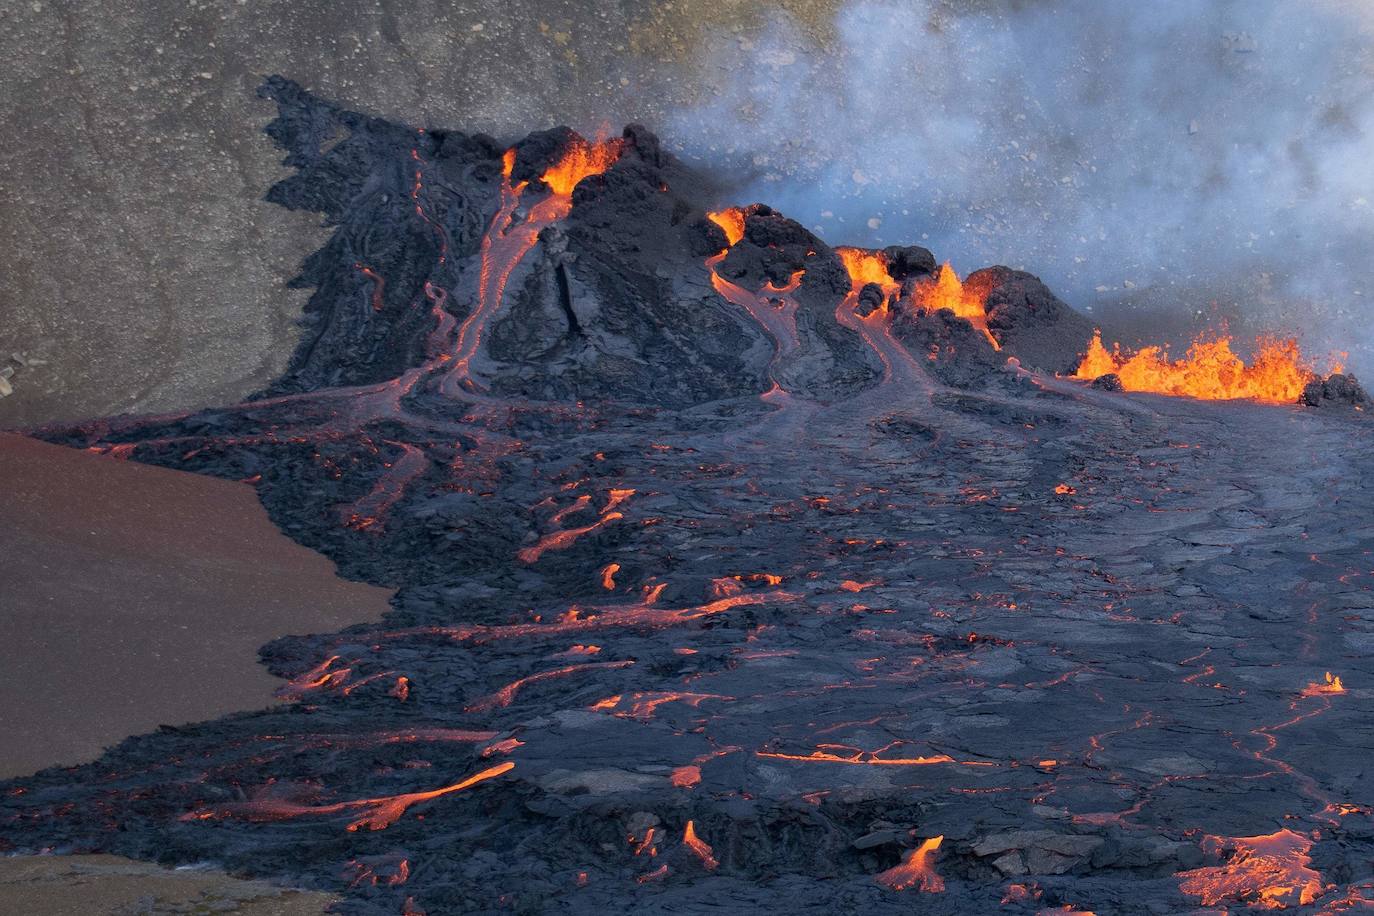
734, 573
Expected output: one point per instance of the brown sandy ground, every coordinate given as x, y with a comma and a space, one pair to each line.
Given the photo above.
115, 886
135, 596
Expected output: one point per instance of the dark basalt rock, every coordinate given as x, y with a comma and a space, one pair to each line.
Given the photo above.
910, 262
950, 348
1336, 389
822, 626
1109, 382
1030, 322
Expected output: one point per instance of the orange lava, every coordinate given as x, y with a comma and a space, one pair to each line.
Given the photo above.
506, 695
915, 871
731, 220
867, 758
506, 241
867, 267
582, 159
376, 813
1329, 687
608, 576
1267, 871
702, 850
1210, 371
947, 291
687, 777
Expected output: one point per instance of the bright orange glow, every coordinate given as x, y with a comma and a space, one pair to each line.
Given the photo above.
850, 585
915, 871
608, 576
686, 777
947, 291
867, 758
1267, 871
702, 850
1064, 489
377, 813
506, 695
1210, 370
1329, 687
731, 220
581, 160
867, 267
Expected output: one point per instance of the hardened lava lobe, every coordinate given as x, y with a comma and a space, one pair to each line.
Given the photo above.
737, 571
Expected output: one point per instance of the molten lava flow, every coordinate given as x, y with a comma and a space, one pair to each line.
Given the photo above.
771, 307
701, 849
947, 291
1329, 687
377, 813
561, 540
826, 754
506, 695
915, 871
506, 243
582, 159
369, 513
867, 267
731, 220
1268, 871
1210, 371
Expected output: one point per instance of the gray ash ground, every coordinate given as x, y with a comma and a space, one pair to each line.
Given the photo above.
672, 557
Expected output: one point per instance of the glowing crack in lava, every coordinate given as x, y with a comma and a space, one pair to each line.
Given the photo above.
1210, 371
916, 870
377, 813
947, 291
506, 241
1269, 871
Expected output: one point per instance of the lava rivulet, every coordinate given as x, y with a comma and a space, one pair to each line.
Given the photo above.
915, 870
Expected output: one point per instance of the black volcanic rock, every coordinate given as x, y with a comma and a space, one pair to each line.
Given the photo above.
950, 348
732, 564
1108, 382
1030, 322
1336, 389
909, 262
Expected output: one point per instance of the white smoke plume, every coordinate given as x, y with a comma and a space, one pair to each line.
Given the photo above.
1163, 165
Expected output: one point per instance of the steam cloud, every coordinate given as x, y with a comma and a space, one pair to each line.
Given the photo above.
1173, 158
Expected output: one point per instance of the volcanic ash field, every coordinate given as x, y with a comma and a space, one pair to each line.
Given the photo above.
741, 572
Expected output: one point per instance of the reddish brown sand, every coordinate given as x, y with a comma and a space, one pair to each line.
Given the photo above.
132, 596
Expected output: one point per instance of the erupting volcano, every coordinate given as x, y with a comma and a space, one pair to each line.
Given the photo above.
739, 571
1277, 373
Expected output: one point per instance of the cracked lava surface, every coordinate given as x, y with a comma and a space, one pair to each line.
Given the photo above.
827, 636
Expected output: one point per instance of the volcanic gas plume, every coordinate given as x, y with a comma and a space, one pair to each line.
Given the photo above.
739, 571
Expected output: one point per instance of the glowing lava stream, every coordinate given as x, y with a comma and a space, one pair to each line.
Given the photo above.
915, 871
504, 245
377, 813
772, 307
1209, 371
899, 366
639, 614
